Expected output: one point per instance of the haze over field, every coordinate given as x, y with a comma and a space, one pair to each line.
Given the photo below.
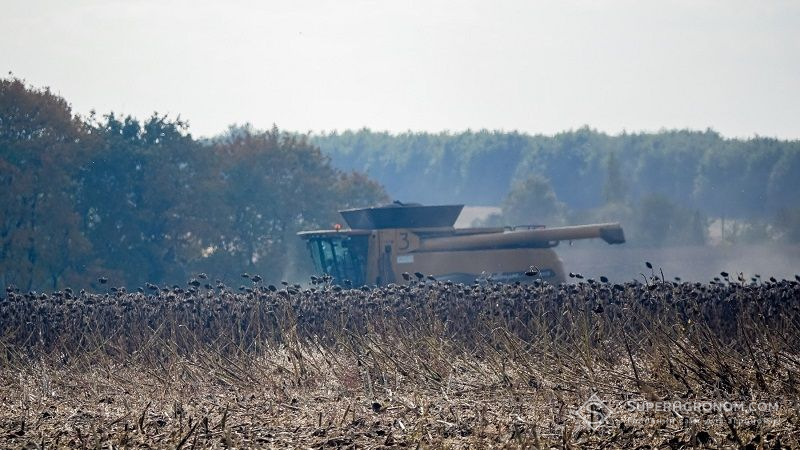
539, 67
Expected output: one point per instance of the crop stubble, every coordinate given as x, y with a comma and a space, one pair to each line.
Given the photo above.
420, 365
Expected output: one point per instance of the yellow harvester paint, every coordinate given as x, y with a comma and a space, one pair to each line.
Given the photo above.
382, 243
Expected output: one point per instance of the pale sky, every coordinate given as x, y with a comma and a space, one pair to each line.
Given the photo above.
536, 67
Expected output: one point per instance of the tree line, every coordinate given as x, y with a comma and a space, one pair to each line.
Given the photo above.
668, 186
142, 200
136, 201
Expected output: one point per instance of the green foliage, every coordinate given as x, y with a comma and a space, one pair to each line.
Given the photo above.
40, 145
752, 178
143, 201
533, 201
653, 221
614, 188
669, 181
432, 168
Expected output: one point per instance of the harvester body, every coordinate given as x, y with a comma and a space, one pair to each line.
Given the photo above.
384, 243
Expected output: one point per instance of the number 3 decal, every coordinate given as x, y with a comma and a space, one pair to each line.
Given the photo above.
404, 243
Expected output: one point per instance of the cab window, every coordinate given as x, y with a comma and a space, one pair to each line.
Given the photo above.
343, 258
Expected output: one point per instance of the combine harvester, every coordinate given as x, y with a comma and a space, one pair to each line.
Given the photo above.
384, 243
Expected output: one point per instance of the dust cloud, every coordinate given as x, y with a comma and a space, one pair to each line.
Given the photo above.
691, 263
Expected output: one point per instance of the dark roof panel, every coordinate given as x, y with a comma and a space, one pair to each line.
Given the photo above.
402, 216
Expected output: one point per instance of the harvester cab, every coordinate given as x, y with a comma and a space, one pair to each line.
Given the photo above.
383, 243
